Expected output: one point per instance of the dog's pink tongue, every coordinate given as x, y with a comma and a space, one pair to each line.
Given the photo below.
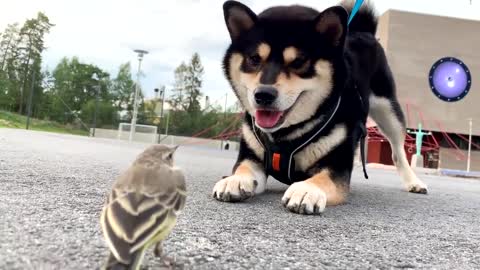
267, 119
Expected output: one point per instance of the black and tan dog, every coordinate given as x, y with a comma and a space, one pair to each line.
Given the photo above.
307, 82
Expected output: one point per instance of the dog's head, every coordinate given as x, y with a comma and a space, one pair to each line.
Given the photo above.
282, 63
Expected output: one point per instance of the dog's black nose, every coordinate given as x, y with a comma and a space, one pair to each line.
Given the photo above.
265, 95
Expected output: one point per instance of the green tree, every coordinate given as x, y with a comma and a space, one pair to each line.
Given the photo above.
193, 84
29, 54
187, 87
177, 98
123, 87
9, 67
8, 43
123, 91
74, 85
107, 115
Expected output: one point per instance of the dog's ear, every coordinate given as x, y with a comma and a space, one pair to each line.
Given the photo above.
332, 23
238, 17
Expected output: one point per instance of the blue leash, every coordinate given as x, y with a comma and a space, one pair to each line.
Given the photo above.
356, 7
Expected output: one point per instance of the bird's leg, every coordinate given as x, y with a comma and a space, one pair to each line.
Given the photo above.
158, 251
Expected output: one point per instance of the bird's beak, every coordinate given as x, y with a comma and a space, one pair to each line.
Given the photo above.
174, 148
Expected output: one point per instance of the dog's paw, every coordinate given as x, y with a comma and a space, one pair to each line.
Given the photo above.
235, 188
305, 198
417, 186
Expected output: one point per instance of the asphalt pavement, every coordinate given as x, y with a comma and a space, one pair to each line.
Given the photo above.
52, 188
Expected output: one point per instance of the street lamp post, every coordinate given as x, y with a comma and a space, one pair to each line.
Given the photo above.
133, 124
30, 100
470, 124
160, 94
97, 96
224, 119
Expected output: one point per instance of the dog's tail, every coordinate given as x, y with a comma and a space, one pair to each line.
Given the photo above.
365, 20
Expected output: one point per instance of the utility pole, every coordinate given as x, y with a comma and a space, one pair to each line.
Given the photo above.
470, 124
22, 90
166, 126
162, 96
30, 99
97, 97
97, 88
224, 117
207, 102
161, 111
133, 124
163, 101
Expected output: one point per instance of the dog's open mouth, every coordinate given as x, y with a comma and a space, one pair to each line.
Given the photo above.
268, 118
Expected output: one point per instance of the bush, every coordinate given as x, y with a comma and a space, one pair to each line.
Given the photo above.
107, 114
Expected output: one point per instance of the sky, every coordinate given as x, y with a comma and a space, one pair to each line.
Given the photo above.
105, 32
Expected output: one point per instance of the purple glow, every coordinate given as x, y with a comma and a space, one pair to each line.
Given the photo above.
450, 79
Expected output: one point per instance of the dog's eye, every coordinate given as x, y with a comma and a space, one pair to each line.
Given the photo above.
298, 63
254, 60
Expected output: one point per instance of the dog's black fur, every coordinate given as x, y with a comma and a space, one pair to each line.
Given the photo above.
358, 62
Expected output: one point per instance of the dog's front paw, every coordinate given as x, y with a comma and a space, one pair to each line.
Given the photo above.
305, 198
417, 186
235, 188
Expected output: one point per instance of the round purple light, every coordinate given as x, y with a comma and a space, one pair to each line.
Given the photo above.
450, 79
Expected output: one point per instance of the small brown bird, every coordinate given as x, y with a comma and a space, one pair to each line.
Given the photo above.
142, 207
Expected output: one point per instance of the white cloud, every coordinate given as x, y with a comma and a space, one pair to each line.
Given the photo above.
105, 32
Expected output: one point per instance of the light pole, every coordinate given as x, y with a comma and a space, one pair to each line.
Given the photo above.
469, 143
30, 99
162, 96
224, 117
133, 124
97, 93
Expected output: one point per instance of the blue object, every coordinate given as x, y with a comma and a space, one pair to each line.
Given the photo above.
450, 79
356, 7
459, 173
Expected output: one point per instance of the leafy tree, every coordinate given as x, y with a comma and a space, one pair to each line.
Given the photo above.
9, 68
123, 94
193, 84
8, 44
187, 87
177, 98
29, 53
74, 85
123, 87
107, 115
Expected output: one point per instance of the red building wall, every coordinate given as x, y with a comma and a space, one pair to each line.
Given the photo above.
380, 152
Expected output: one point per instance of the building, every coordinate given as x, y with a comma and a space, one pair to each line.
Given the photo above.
413, 43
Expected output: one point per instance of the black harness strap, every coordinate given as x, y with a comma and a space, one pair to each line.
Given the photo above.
363, 134
278, 160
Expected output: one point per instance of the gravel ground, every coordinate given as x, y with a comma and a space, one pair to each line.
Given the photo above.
52, 188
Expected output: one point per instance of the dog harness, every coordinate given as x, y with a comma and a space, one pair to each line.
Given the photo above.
278, 157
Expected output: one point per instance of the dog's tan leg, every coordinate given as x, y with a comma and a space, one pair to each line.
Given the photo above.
390, 122
314, 194
249, 179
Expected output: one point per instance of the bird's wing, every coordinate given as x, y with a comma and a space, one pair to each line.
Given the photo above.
131, 219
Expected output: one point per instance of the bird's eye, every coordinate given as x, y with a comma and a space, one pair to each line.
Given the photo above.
170, 156
254, 60
298, 63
